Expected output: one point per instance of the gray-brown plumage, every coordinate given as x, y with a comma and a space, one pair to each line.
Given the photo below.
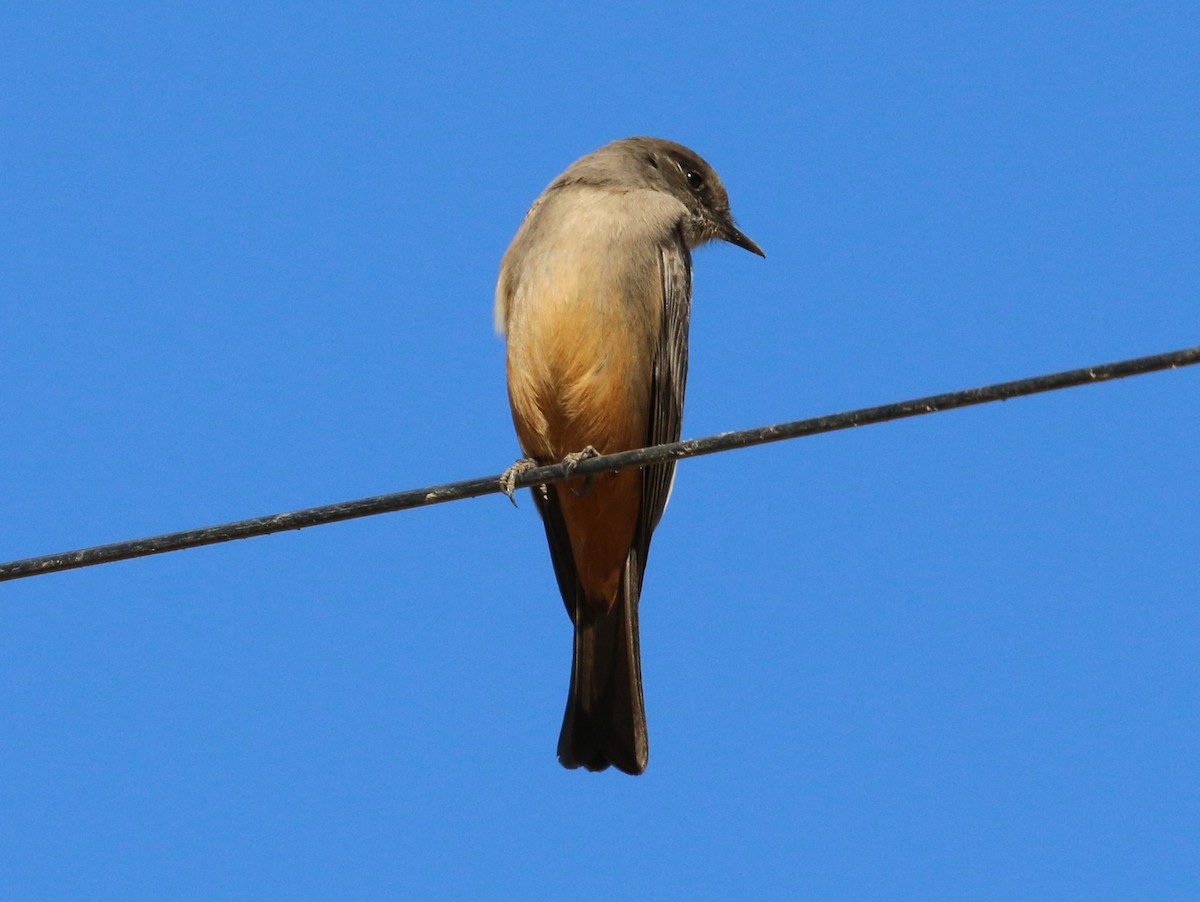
594, 298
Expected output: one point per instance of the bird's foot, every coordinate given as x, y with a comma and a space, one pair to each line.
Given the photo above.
508, 479
571, 461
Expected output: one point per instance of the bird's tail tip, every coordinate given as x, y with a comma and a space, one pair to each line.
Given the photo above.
605, 719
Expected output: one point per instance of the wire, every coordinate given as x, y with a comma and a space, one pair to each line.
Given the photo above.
486, 485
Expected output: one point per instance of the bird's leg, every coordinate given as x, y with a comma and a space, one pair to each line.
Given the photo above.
508, 479
571, 461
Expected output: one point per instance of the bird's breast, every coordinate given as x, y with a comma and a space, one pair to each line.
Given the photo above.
584, 312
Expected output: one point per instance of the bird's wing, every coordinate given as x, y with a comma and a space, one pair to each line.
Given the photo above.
546, 499
665, 423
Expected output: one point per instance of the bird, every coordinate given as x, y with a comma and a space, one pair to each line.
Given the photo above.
594, 301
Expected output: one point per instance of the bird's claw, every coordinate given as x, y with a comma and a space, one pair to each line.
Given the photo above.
571, 461
508, 479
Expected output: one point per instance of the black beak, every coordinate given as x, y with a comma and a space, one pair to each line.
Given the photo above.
734, 235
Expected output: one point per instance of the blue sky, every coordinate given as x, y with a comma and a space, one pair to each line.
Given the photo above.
248, 257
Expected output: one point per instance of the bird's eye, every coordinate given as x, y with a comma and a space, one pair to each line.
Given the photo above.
694, 178
650, 159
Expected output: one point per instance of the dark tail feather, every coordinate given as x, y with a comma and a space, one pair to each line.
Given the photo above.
605, 721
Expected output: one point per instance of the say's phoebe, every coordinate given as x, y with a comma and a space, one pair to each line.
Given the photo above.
595, 296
